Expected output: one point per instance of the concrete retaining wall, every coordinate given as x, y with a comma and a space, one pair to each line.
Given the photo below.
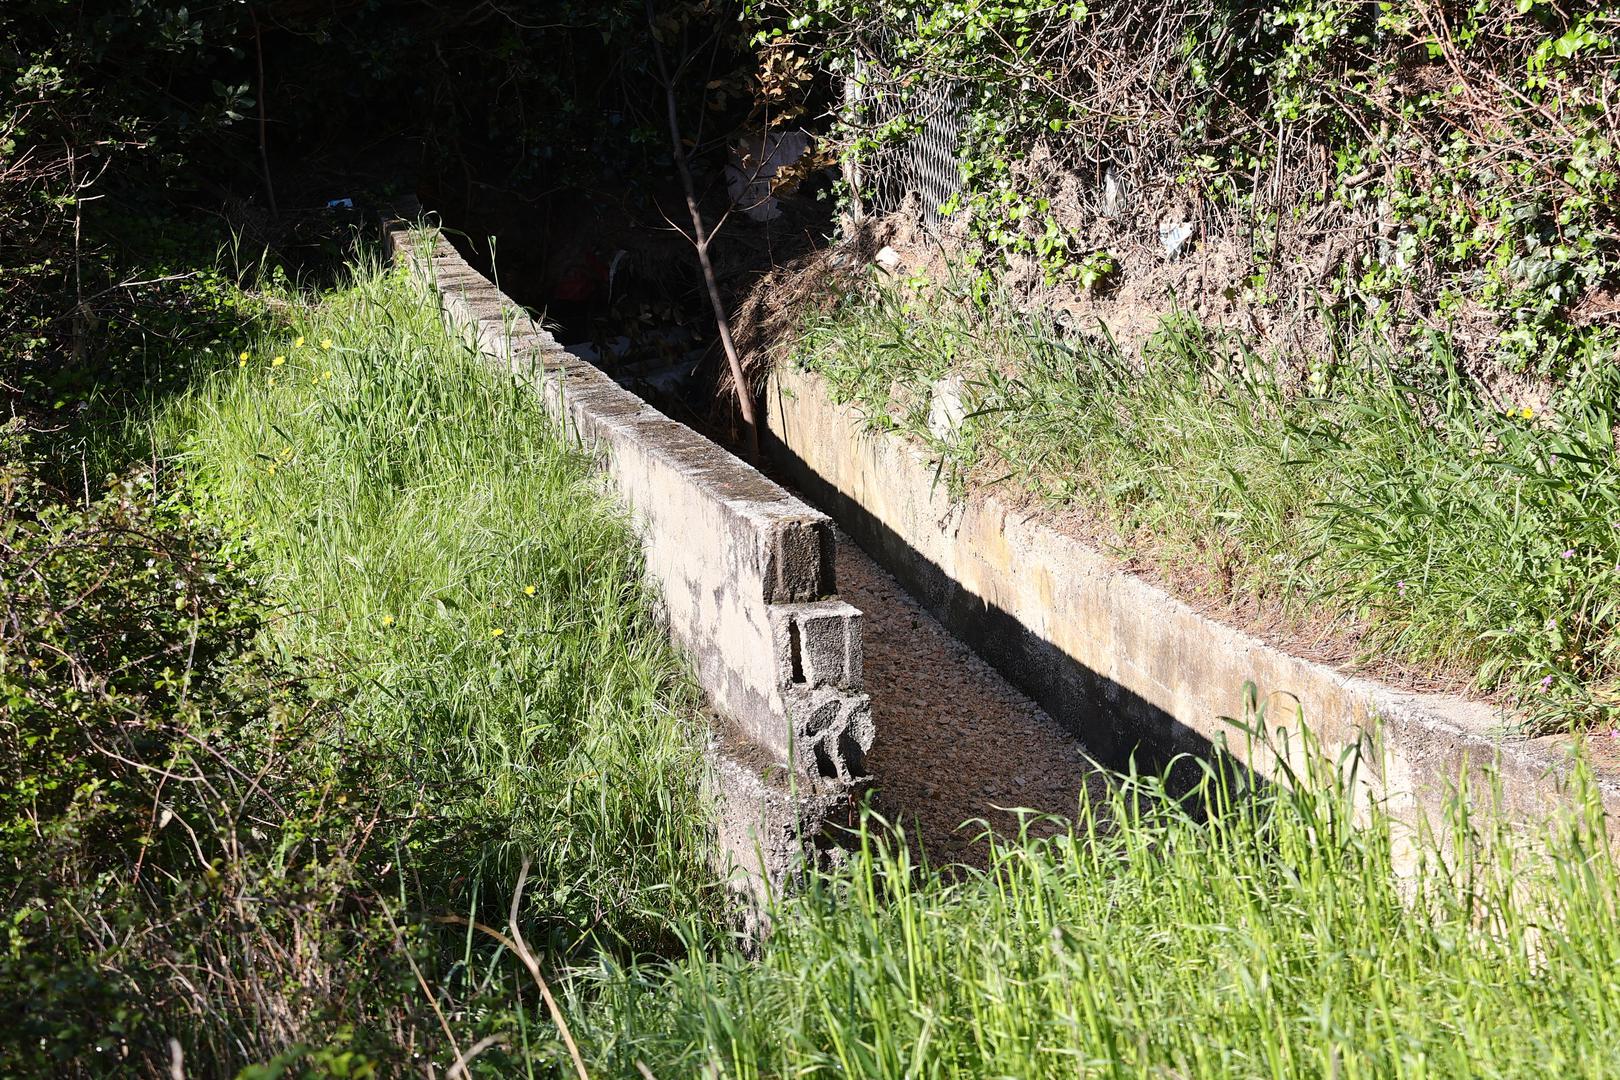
1129, 668
744, 569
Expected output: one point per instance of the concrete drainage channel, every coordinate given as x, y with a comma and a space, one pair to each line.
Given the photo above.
800, 639
749, 576
957, 743
745, 572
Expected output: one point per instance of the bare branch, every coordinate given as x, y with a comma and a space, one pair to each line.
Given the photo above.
701, 237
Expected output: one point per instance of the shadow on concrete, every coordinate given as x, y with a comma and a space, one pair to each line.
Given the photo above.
1117, 727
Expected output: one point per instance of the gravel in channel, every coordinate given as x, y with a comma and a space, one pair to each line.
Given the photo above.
955, 742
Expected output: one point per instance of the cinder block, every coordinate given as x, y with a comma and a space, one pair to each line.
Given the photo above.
817, 645
830, 639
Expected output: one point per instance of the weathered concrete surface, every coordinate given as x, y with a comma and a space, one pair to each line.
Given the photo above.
770, 825
1127, 667
744, 569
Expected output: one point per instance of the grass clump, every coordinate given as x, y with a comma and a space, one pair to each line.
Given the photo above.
1271, 936
1440, 530
470, 591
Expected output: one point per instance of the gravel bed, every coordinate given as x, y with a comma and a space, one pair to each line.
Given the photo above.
955, 741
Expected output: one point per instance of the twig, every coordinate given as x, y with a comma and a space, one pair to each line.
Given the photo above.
264, 151
484, 928
700, 239
522, 949
421, 980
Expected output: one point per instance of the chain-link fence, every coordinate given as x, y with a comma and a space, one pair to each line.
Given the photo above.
920, 169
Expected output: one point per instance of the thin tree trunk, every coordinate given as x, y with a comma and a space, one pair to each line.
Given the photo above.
700, 240
264, 105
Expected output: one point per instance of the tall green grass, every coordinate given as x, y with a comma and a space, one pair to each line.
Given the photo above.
1384, 498
451, 571
1272, 936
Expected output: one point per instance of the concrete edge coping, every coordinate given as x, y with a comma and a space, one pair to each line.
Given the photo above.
1466, 723
797, 542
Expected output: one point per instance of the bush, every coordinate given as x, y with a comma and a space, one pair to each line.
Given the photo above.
1434, 161
186, 852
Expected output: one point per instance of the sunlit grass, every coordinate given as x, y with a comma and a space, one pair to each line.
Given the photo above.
453, 571
1272, 937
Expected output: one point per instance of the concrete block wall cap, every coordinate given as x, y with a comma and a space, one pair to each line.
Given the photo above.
734, 483
733, 480
1454, 714
1472, 725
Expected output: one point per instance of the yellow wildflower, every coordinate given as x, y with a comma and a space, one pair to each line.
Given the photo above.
326, 343
497, 632
326, 374
271, 468
1527, 412
388, 620
528, 590
278, 361
298, 343
244, 356
242, 362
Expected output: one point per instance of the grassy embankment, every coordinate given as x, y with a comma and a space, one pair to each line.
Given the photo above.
1381, 499
285, 707
354, 753
475, 593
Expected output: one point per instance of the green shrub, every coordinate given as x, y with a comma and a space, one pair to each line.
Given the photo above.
183, 852
1435, 161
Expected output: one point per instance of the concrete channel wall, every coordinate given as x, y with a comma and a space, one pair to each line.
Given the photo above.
744, 570
1128, 668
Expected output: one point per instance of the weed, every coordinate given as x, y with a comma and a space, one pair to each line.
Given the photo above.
1274, 934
